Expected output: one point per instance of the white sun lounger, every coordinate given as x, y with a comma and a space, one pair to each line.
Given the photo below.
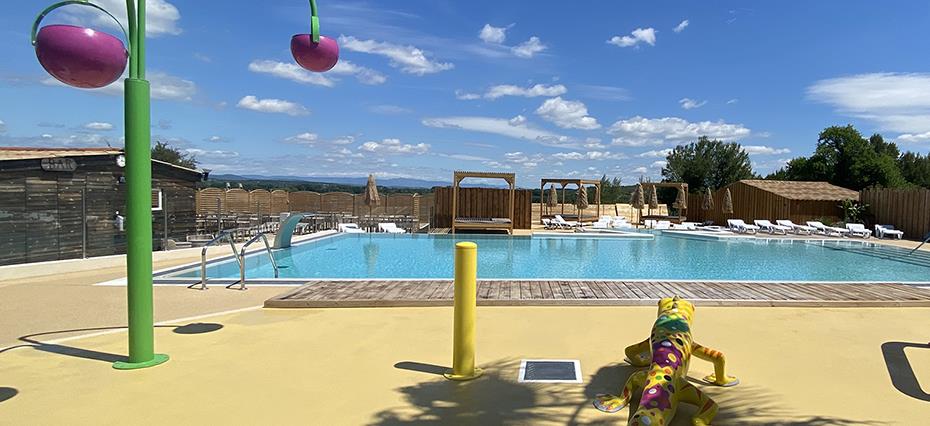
770, 227
858, 230
391, 228
548, 224
798, 229
827, 230
739, 226
349, 228
882, 230
562, 223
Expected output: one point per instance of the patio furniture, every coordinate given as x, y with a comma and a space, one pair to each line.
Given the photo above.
547, 223
562, 223
390, 227
882, 230
827, 230
739, 226
350, 228
771, 228
858, 230
798, 229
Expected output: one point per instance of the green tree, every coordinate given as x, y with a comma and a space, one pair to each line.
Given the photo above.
707, 164
915, 168
611, 190
164, 152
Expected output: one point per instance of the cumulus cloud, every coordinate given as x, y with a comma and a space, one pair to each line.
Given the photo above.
491, 34
466, 96
764, 150
516, 128
364, 75
408, 59
732, 101
639, 35
502, 90
660, 153
394, 146
161, 17
590, 156
272, 105
567, 114
289, 71
163, 86
639, 131
98, 125
215, 139
305, 138
688, 103
640, 170
906, 137
658, 164
681, 27
898, 102
528, 48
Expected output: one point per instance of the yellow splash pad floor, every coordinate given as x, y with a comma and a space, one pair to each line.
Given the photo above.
799, 366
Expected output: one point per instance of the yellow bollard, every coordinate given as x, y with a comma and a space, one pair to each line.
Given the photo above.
463, 347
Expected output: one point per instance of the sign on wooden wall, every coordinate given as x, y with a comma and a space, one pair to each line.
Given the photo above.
59, 164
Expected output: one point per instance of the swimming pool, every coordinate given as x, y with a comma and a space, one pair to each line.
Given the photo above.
386, 256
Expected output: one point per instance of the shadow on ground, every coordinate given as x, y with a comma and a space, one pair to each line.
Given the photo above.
7, 393
31, 341
497, 398
902, 374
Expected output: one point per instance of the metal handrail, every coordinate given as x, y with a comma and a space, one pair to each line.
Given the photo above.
203, 256
921, 245
274, 264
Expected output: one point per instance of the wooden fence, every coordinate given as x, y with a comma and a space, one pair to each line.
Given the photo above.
482, 202
211, 201
906, 209
750, 203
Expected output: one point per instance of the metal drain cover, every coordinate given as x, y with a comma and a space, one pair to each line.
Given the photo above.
550, 371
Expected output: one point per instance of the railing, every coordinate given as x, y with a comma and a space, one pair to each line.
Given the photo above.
203, 256
242, 259
927, 238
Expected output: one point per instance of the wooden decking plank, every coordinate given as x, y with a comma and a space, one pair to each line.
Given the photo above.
526, 292
545, 290
633, 288
556, 290
567, 291
608, 292
536, 289
620, 290
586, 291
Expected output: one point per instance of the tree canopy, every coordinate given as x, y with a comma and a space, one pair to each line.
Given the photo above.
163, 152
707, 164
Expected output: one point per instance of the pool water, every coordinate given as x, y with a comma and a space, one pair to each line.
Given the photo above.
662, 258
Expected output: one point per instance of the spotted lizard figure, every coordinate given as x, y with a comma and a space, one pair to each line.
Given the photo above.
667, 352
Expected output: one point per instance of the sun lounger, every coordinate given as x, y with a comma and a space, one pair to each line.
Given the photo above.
858, 230
562, 223
349, 228
390, 227
828, 230
882, 230
771, 228
739, 226
798, 229
663, 224
548, 224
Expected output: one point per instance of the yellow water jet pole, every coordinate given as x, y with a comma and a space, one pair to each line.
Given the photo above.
463, 347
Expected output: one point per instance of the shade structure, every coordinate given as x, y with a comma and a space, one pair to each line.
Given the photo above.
680, 199
708, 203
372, 198
553, 199
727, 202
636, 199
581, 200
653, 198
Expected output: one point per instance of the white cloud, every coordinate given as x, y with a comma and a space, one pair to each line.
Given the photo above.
519, 120
2, 126
914, 138
388, 109
530, 92
215, 139
605, 93
567, 114
271, 105
639, 35
764, 150
465, 96
688, 103
594, 143
491, 34
640, 170
97, 125
658, 164
394, 146
528, 48
161, 17
290, 71
661, 153
732, 101
363, 74
639, 131
163, 86
305, 138
409, 59
514, 128
590, 156
898, 102
46, 136
203, 154
681, 27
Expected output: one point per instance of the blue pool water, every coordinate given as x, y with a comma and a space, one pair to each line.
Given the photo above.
662, 258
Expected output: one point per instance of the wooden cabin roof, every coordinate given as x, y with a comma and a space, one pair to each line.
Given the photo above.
803, 190
33, 153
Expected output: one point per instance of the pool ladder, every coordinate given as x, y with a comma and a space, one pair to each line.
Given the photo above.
239, 255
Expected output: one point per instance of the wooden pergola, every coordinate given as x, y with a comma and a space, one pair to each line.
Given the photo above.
681, 186
485, 223
563, 183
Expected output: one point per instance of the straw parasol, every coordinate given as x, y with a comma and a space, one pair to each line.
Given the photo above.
636, 199
553, 198
680, 199
371, 194
581, 201
708, 203
728, 202
653, 198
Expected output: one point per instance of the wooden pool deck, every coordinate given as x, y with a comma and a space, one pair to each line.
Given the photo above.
389, 293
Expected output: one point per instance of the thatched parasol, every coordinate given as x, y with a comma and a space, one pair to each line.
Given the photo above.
708, 203
371, 194
553, 198
653, 198
581, 201
680, 199
728, 202
636, 199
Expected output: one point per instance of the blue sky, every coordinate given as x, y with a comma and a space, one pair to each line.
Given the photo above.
424, 87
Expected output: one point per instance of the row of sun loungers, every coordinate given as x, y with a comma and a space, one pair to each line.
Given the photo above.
812, 227
352, 228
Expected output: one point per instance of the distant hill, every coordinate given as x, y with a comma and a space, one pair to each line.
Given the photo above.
349, 181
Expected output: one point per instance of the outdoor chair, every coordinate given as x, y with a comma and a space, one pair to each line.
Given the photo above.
798, 229
349, 228
882, 230
391, 228
828, 230
858, 230
771, 228
739, 226
562, 223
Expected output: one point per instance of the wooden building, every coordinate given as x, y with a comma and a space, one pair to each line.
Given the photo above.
66, 203
482, 203
773, 200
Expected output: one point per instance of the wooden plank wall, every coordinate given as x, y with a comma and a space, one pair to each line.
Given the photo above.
482, 202
179, 204
13, 220
750, 203
906, 209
